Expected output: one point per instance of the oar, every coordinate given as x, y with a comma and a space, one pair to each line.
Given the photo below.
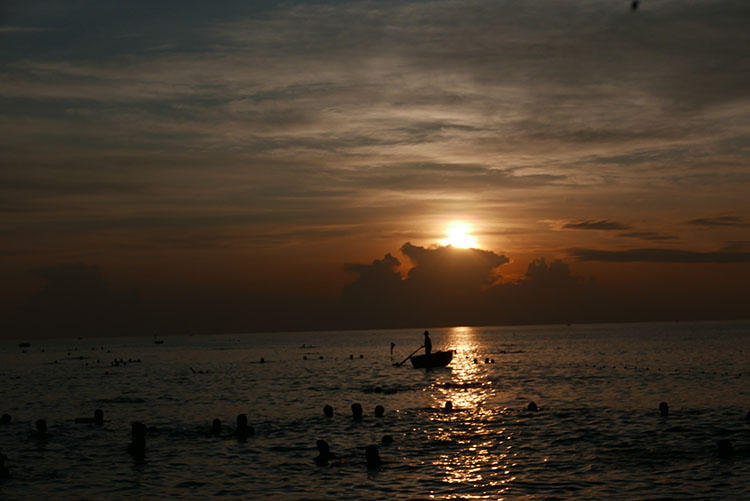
407, 358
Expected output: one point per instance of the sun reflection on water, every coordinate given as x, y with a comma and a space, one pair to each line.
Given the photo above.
480, 454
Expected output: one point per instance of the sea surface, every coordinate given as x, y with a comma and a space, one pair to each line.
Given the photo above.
598, 433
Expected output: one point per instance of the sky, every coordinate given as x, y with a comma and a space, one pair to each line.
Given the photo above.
201, 166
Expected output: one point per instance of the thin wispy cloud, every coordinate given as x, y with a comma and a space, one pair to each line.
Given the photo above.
659, 256
719, 221
602, 224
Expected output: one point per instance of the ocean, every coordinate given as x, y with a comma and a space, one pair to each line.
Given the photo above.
598, 433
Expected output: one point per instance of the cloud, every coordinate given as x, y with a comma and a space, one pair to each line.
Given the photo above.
649, 235
444, 283
659, 256
718, 221
602, 224
448, 286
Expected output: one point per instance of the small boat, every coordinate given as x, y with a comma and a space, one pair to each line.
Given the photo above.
437, 359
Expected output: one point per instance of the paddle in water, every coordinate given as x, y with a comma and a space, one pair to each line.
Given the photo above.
407, 358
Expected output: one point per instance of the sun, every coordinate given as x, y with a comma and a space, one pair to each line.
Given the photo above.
459, 235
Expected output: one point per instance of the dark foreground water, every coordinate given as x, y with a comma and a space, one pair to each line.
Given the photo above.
598, 434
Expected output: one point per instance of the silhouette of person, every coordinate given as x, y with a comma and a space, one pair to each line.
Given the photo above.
393, 345
379, 411
357, 412
725, 448
372, 455
664, 409
243, 430
216, 427
4, 473
328, 411
6, 419
41, 429
532, 407
448, 406
386, 440
427, 343
137, 447
324, 453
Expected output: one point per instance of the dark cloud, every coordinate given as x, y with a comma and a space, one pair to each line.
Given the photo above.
602, 224
649, 235
450, 286
659, 256
444, 284
718, 221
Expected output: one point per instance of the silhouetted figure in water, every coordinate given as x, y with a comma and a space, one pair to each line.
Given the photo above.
328, 411
262, 360
98, 418
427, 343
216, 427
4, 473
243, 430
324, 453
386, 440
357, 412
379, 411
6, 419
393, 345
372, 455
633, 7
725, 448
448, 406
664, 409
137, 447
486, 360
41, 428
532, 407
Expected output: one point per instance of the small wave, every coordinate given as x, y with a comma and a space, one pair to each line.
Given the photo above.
190, 484
121, 400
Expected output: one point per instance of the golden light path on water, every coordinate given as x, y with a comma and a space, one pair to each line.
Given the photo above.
484, 457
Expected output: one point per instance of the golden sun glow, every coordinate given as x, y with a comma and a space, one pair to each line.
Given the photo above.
458, 235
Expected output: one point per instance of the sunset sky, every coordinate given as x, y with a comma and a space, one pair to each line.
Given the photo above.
203, 166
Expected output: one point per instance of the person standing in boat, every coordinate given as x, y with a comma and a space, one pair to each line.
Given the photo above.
427, 343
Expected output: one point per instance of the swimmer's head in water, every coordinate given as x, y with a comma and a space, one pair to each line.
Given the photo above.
138, 430
241, 421
664, 409
357, 411
328, 411
379, 411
